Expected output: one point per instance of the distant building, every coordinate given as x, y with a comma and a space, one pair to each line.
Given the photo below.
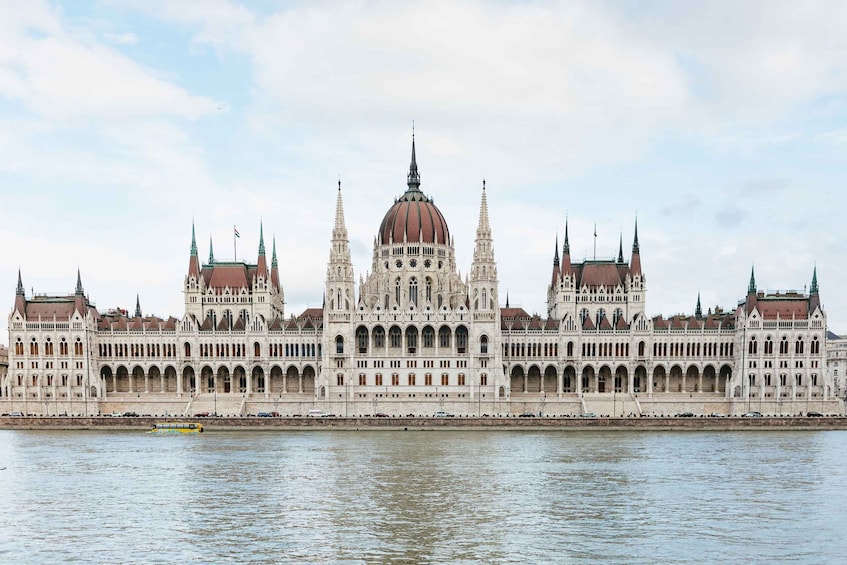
836, 363
412, 335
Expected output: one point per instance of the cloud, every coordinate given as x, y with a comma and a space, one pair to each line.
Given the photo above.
127, 38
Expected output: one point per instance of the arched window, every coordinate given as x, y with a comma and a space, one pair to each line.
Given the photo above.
379, 337
428, 336
461, 339
395, 336
339, 345
583, 315
444, 336
428, 289
485, 299
362, 339
397, 291
257, 349
768, 346
798, 347
783, 346
601, 314
413, 291
753, 347
483, 345
411, 339
815, 348
187, 348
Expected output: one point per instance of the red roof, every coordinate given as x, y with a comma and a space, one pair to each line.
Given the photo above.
783, 308
596, 274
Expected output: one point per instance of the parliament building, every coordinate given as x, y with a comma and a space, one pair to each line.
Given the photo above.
415, 337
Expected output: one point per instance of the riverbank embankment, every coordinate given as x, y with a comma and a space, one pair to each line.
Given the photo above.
212, 424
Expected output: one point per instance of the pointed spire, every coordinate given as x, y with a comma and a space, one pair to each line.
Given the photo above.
620, 250
507, 299
814, 289
566, 253
751, 288
193, 241
635, 248
413, 180
20, 290
261, 239
484, 228
635, 262
211, 251
274, 263
340, 229
556, 253
79, 290
137, 307
698, 311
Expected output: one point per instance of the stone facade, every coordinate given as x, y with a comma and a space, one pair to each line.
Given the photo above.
415, 337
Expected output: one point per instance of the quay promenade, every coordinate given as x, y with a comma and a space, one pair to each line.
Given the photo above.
428, 423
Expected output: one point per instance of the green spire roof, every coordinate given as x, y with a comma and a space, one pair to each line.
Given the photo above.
814, 289
698, 311
20, 290
751, 288
193, 241
211, 251
261, 240
273, 254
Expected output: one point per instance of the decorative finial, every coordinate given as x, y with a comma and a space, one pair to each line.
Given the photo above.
751, 288
211, 251
193, 240
20, 290
78, 283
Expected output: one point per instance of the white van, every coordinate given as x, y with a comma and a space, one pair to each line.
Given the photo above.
315, 413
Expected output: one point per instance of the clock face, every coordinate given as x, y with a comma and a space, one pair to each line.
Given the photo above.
413, 263
399, 263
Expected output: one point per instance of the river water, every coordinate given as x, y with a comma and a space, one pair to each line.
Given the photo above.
423, 497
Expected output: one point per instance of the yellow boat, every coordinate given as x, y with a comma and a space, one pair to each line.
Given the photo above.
176, 428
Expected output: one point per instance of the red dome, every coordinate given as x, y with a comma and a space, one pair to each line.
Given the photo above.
416, 218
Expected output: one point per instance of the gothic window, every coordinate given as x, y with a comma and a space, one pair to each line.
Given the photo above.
444, 336
783, 346
428, 336
753, 347
483, 345
379, 337
601, 314
257, 349
338, 304
798, 347
583, 315
768, 346
411, 339
461, 339
815, 348
428, 289
485, 298
339, 345
413, 291
617, 315
397, 291
362, 339
395, 336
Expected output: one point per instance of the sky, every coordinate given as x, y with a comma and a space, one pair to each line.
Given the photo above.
720, 126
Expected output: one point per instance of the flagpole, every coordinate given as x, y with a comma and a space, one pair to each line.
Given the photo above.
234, 251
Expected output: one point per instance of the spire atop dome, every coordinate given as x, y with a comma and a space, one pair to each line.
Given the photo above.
698, 311
413, 180
20, 289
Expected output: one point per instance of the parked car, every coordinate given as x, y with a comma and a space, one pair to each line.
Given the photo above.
315, 413
685, 415
717, 415
442, 414
589, 415
380, 415
130, 415
264, 414
752, 415
16, 414
202, 415
527, 415
814, 415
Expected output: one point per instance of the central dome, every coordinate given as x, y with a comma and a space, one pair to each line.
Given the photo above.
413, 218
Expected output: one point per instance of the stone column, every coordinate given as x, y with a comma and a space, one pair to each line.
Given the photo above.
179, 384
700, 382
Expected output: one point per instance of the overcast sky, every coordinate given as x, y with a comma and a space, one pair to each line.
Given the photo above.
721, 126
